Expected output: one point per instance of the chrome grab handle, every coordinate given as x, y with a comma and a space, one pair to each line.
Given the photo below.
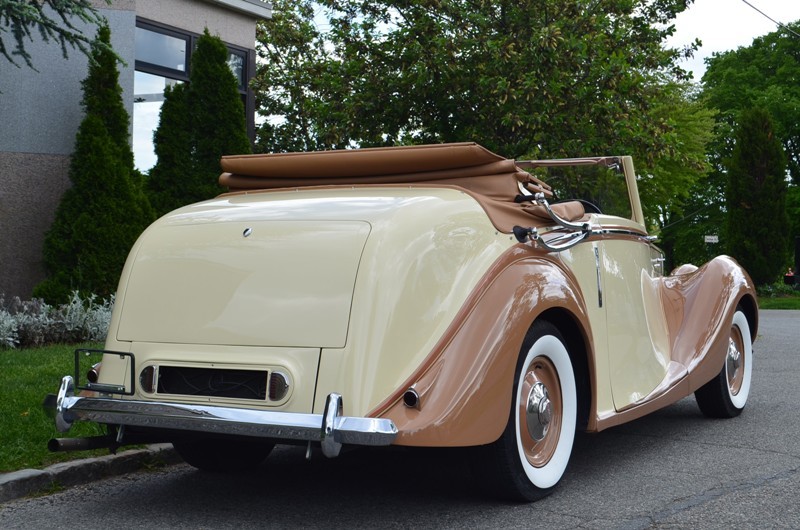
524, 235
541, 201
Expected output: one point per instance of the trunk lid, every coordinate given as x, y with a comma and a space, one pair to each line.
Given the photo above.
245, 283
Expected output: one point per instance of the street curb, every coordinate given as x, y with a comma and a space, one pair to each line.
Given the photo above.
29, 481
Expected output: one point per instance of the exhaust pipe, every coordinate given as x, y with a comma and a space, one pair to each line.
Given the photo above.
411, 398
56, 445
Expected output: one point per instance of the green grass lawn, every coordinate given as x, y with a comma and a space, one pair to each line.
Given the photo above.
778, 296
779, 302
26, 376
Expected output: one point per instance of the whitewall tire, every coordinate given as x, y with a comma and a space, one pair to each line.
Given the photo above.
726, 395
531, 456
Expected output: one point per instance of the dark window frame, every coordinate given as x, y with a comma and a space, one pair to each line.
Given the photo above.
165, 71
248, 66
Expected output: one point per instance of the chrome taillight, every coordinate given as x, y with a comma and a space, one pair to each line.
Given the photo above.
278, 386
147, 379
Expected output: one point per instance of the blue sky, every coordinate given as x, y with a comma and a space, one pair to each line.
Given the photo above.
728, 24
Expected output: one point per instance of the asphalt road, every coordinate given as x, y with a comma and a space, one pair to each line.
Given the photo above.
673, 469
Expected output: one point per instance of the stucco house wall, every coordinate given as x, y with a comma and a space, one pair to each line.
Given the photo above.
40, 113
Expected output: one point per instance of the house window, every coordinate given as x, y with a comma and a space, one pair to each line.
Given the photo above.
148, 96
159, 49
163, 57
236, 62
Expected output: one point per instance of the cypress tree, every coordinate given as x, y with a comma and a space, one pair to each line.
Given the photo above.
216, 107
102, 214
172, 141
102, 95
758, 229
199, 123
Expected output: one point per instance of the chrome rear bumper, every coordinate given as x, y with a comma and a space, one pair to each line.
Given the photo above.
331, 429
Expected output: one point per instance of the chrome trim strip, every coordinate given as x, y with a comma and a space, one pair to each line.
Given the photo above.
599, 280
623, 232
332, 429
608, 161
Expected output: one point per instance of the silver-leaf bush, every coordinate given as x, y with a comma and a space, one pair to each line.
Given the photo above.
35, 323
8, 330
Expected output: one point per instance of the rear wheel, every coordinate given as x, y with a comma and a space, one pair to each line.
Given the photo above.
221, 455
726, 395
531, 456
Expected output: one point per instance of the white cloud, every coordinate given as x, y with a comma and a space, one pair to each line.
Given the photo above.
728, 24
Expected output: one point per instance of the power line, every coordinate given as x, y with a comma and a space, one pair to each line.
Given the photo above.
687, 217
784, 26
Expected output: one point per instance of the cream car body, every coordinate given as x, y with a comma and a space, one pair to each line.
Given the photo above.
349, 296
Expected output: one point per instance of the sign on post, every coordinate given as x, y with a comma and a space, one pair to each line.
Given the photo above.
712, 239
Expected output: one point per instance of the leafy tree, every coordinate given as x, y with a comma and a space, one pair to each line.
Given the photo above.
199, 123
527, 79
763, 74
105, 210
23, 18
793, 212
689, 126
102, 95
756, 198
216, 108
675, 191
683, 229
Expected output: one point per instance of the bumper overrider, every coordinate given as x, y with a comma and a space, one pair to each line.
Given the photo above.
330, 429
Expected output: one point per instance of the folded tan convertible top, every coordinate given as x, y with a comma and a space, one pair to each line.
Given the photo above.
491, 179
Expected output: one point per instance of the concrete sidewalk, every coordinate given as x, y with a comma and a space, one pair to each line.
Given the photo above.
30, 481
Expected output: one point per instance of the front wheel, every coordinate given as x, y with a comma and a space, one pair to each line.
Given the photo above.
532, 454
726, 395
221, 455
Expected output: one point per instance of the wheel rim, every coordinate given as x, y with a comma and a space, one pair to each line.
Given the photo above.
540, 411
735, 361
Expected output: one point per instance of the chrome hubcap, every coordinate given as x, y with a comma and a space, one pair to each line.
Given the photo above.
539, 411
734, 360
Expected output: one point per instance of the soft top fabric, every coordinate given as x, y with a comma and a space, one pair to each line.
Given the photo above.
491, 179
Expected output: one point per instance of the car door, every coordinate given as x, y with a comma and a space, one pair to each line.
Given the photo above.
638, 345
619, 276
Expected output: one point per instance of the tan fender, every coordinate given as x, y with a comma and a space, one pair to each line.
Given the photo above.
700, 306
465, 385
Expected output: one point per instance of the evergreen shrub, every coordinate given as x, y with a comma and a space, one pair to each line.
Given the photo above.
758, 227
105, 210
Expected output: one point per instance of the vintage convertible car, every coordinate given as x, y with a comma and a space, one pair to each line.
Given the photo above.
436, 295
